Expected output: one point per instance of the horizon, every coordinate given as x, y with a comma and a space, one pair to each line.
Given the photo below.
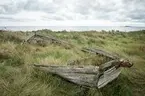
73, 28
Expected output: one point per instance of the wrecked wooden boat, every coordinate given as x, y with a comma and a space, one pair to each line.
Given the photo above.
90, 76
46, 40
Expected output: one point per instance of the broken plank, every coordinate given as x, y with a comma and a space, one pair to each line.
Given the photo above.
100, 52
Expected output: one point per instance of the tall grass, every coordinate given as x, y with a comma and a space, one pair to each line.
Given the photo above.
18, 78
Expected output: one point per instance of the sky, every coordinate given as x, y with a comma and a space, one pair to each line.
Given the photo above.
72, 12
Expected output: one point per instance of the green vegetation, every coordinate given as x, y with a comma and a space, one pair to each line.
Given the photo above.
18, 78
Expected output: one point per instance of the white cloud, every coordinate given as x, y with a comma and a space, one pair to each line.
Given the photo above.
72, 12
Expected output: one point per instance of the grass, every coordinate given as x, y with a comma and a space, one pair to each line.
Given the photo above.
18, 78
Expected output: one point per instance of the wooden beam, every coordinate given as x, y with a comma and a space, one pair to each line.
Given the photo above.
100, 52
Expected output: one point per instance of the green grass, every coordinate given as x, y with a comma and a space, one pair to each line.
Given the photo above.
18, 78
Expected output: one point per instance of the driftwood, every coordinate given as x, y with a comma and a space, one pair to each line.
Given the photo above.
79, 75
46, 40
90, 76
100, 52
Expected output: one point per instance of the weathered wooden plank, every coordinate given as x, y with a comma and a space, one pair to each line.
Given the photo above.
70, 69
82, 76
100, 52
90, 76
108, 76
48, 40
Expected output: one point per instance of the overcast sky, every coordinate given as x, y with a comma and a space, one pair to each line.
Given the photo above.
72, 12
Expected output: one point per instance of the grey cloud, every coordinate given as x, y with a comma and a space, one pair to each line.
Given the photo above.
8, 18
137, 16
114, 10
34, 5
30, 5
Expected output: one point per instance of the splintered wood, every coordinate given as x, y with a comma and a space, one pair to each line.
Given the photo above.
78, 75
87, 71
89, 76
46, 40
100, 52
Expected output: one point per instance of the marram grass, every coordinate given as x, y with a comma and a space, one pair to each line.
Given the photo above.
18, 78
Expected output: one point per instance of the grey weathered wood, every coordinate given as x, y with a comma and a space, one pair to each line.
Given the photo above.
47, 40
100, 52
78, 75
85, 75
70, 69
108, 76
110, 64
